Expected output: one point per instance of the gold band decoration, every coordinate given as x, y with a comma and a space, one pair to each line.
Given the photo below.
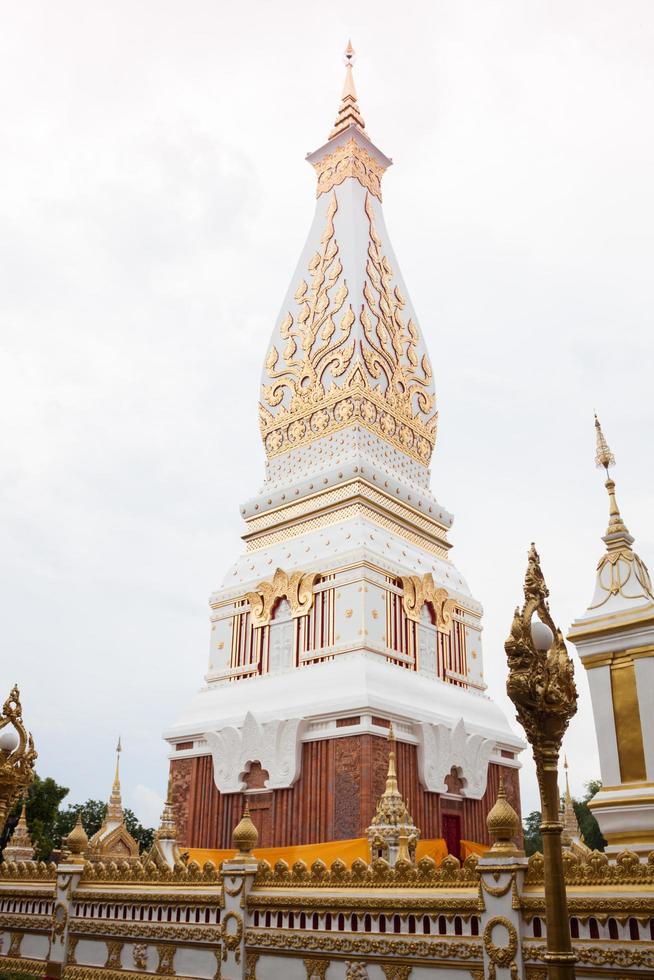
386, 385
349, 160
419, 590
297, 588
17, 754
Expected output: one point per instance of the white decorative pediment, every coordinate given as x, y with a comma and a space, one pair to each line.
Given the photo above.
440, 749
276, 745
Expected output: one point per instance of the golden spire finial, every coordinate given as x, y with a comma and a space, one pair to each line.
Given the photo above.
391, 775
604, 457
349, 113
503, 824
245, 835
119, 749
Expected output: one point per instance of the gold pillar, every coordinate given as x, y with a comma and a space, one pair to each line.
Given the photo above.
542, 688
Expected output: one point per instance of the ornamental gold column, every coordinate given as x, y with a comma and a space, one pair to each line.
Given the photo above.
542, 688
17, 755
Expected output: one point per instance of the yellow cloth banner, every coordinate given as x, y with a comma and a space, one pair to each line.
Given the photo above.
347, 850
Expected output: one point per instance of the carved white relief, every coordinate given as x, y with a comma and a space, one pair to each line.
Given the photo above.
441, 748
275, 745
426, 644
281, 639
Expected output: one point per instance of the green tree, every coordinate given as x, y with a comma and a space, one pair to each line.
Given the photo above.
531, 831
43, 799
587, 823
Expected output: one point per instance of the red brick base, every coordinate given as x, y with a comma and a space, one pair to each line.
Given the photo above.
340, 782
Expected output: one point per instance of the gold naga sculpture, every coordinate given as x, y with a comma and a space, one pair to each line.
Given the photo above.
541, 686
17, 754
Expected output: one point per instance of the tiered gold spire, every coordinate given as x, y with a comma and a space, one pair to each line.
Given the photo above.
168, 827
604, 457
392, 829
113, 839
571, 829
349, 113
115, 805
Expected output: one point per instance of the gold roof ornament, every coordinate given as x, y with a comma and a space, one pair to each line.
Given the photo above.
349, 113
503, 824
17, 754
19, 847
77, 841
245, 835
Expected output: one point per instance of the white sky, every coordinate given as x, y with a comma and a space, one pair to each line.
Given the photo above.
153, 201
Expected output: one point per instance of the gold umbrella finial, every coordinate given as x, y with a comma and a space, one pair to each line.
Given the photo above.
603, 455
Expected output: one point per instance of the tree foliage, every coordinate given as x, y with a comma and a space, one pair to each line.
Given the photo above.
588, 825
49, 823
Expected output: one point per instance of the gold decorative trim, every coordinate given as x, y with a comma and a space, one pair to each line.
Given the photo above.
432, 949
425, 874
145, 930
99, 973
419, 590
349, 160
321, 500
297, 588
600, 955
434, 546
17, 964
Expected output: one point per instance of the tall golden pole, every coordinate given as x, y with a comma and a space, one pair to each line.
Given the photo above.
17, 755
542, 688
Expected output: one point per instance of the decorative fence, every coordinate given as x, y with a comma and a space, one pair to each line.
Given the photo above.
485, 919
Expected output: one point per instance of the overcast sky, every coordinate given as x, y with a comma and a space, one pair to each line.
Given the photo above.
153, 201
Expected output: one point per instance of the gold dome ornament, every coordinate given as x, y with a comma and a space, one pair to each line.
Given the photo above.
77, 842
503, 825
245, 835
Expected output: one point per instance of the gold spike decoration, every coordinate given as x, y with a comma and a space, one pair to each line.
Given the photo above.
349, 113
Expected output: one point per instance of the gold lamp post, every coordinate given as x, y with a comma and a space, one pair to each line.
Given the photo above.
542, 688
17, 755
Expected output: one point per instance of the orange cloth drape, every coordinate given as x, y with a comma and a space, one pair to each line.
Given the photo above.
347, 850
469, 847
